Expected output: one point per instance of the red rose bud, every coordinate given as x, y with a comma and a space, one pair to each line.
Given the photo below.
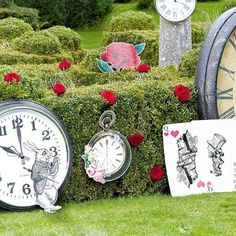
156, 173
64, 65
143, 68
11, 77
109, 96
182, 92
135, 139
59, 89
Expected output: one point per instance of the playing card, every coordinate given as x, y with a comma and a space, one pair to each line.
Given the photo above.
200, 157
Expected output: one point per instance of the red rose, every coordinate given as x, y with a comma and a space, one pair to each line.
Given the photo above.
109, 96
59, 89
121, 55
10, 77
64, 65
143, 68
156, 173
182, 92
135, 139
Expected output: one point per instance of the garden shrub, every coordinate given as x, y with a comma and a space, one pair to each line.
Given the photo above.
11, 28
132, 20
6, 3
142, 4
151, 38
229, 4
40, 42
198, 33
122, 1
69, 39
188, 63
89, 61
71, 13
11, 57
144, 106
29, 15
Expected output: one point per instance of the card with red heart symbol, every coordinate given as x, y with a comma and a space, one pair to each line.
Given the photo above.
200, 157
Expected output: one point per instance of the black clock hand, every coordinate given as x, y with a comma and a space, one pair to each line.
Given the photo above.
11, 151
20, 142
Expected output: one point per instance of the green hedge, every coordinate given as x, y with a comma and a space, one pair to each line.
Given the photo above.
12, 57
29, 15
48, 74
69, 39
39, 42
11, 28
132, 20
151, 38
143, 106
188, 63
198, 33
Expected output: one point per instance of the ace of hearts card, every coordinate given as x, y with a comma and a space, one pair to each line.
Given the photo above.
200, 157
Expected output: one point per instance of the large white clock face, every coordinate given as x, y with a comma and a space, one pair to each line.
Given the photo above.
110, 154
34, 129
175, 10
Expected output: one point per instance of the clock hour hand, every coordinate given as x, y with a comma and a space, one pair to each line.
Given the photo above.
12, 150
9, 150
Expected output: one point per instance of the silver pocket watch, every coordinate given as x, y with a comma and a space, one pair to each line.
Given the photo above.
108, 154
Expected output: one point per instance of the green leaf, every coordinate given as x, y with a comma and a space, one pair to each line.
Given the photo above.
103, 66
140, 47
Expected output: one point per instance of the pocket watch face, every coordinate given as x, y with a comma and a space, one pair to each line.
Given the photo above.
226, 86
31, 141
110, 153
175, 10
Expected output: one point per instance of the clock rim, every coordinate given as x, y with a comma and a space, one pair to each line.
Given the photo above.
31, 104
211, 54
128, 153
175, 21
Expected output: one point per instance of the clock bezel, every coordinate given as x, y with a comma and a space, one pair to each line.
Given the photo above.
18, 104
128, 153
209, 61
171, 20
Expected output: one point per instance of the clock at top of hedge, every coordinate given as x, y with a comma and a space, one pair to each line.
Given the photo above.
175, 10
216, 70
35, 155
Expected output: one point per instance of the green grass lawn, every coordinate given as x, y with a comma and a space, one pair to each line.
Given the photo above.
92, 38
209, 214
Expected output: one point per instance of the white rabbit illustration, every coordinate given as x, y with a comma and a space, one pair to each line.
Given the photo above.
44, 168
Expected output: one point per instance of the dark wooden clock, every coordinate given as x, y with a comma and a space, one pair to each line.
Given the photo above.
216, 70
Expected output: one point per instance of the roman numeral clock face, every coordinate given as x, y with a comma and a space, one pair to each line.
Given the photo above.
226, 81
29, 135
175, 10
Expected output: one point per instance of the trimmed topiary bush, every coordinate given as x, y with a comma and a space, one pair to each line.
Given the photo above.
11, 28
6, 3
198, 33
142, 4
40, 42
71, 13
11, 57
143, 106
188, 63
151, 38
132, 20
69, 39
